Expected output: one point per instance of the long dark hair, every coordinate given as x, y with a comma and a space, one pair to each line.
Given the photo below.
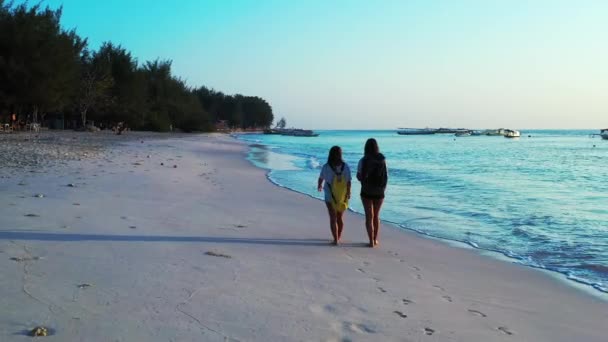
371, 147
335, 156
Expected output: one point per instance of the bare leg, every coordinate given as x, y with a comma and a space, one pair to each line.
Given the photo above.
377, 205
340, 222
369, 212
333, 224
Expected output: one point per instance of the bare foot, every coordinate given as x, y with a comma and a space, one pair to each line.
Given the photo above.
335, 243
375, 242
371, 245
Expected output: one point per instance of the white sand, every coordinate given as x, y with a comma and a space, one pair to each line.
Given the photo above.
137, 232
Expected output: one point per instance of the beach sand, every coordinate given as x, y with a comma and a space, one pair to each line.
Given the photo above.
114, 246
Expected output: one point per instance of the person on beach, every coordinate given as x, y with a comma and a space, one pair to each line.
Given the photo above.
335, 181
373, 175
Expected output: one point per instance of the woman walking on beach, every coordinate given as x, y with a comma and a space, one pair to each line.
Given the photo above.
335, 180
373, 175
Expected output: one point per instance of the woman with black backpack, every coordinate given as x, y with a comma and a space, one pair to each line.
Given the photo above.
373, 175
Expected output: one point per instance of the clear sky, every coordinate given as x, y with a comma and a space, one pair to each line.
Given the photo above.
354, 64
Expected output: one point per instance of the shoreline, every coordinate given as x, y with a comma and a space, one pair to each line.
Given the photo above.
207, 250
578, 285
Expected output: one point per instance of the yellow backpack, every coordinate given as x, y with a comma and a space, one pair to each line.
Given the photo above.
339, 189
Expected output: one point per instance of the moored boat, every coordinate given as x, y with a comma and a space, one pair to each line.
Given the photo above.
272, 131
297, 132
444, 130
604, 134
494, 132
463, 133
292, 132
302, 133
416, 131
509, 133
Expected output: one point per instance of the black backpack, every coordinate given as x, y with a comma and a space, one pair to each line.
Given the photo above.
374, 172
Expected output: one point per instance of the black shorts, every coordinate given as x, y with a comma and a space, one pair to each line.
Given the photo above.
372, 192
372, 197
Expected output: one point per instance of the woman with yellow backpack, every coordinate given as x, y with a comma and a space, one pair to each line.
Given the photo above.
335, 181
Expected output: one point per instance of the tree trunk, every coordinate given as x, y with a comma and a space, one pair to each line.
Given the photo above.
83, 116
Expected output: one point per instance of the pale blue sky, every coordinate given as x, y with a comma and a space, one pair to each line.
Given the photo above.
378, 64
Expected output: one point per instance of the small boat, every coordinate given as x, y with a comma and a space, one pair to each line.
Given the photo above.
463, 133
476, 133
272, 131
297, 132
416, 131
494, 132
303, 133
509, 133
604, 134
450, 130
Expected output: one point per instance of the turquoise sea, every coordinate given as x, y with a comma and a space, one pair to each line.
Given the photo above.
541, 200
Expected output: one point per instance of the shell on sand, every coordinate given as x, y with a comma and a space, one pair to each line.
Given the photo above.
39, 331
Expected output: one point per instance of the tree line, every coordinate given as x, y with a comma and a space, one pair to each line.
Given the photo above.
47, 71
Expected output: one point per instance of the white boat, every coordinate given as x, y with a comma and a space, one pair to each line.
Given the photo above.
494, 132
604, 134
509, 133
463, 134
416, 131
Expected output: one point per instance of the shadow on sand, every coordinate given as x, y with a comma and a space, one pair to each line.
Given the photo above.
38, 236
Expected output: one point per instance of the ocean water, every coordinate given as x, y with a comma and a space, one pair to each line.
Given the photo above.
541, 200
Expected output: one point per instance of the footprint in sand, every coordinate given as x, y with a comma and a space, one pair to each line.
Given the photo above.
447, 298
25, 259
330, 309
218, 255
439, 288
429, 331
358, 328
361, 270
419, 276
382, 290
477, 313
505, 330
365, 263
407, 301
415, 268
400, 314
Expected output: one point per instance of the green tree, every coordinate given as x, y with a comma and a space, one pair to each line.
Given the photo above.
39, 59
46, 68
95, 85
172, 101
282, 123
